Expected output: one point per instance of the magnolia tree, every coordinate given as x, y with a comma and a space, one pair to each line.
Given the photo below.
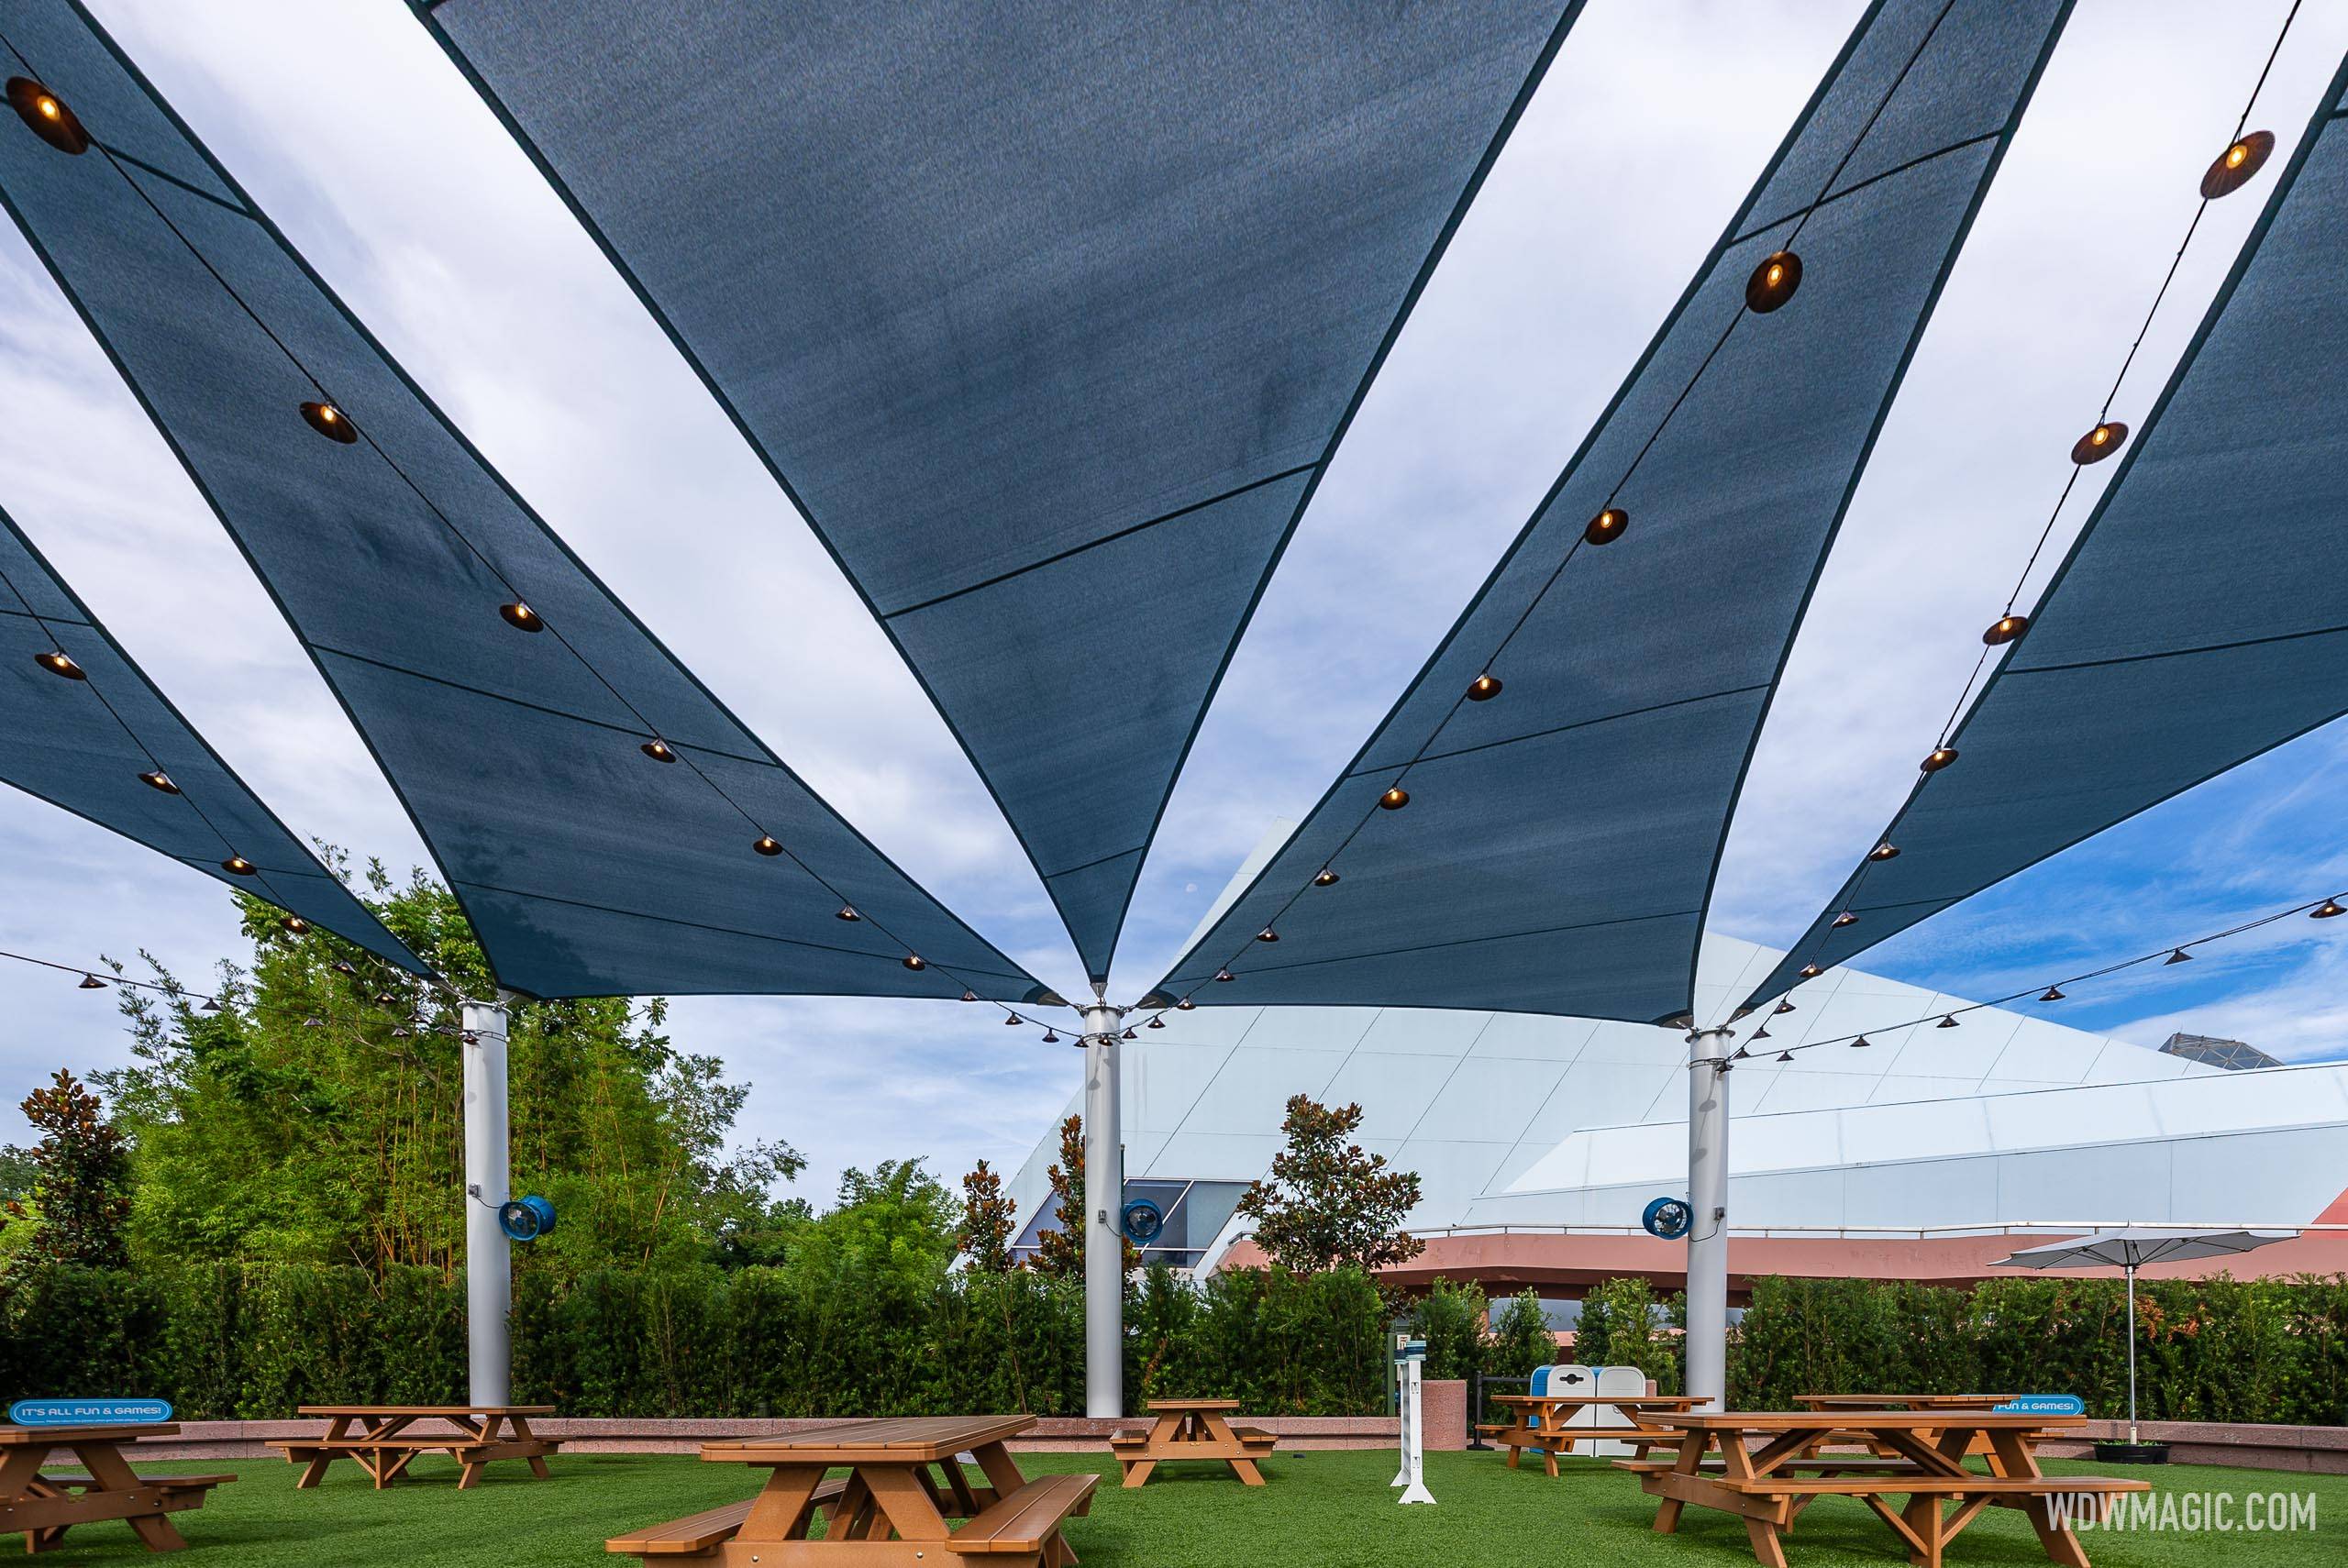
1329, 1202
988, 1215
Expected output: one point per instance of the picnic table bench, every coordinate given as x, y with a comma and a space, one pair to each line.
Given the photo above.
380, 1439
905, 1481
45, 1506
1921, 1458
1541, 1426
1192, 1429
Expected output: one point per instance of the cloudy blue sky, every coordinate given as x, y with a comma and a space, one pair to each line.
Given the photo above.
354, 130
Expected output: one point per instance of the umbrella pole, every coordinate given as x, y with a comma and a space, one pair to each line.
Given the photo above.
2131, 1354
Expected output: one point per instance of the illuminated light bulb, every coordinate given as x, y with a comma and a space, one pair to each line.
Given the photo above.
344, 966
913, 961
237, 865
2179, 957
1327, 878
767, 844
847, 911
91, 982
1267, 935
2098, 443
1773, 283
295, 924
1810, 971
657, 750
155, 778
1483, 689
2052, 993
1157, 1024
1948, 1021
1845, 918
45, 114
2238, 165
2327, 910
1884, 851
2005, 629
1127, 1035
330, 422
1186, 1005
1607, 527
1940, 757
385, 999
1394, 799
1012, 1022
521, 617
57, 663
1781, 1008
1224, 974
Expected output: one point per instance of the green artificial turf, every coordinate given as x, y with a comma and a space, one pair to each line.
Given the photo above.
1332, 1509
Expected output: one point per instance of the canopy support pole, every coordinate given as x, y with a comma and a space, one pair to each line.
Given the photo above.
489, 1264
1707, 1338
1104, 1241
2131, 1354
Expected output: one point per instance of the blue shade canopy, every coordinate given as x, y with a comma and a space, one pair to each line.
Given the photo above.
2202, 617
1048, 316
84, 744
1557, 850
587, 867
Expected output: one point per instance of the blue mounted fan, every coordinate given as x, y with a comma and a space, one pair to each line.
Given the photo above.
1667, 1218
525, 1219
1143, 1221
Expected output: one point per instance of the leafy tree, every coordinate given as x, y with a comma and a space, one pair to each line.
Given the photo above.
1060, 1249
1328, 1202
987, 1218
81, 1179
1521, 1339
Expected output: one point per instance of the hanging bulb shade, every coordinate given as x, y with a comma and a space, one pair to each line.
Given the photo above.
1483, 689
1327, 878
1267, 935
1762, 1033
1884, 851
295, 924
1845, 918
970, 996
2179, 957
57, 663
1224, 974
91, 982
657, 750
155, 778
2052, 993
913, 961
1012, 1021
1772, 282
237, 865
1861, 1043
211, 1004
521, 617
1810, 971
2098, 443
1948, 1021
387, 1000
401, 1033
1128, 1035
1781, 1008
847, 911
2005, 629
1157, 1024
1785, 1055
2238, 165
1394, 799
47, 116
2327, 910
330, 422
767, 844
1185, 1005
1050, 1036
321, 1023
345, 967
1940, 756
1607, 527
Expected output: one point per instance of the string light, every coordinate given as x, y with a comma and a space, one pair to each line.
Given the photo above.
2052, 993
237, 865
58, 663
1327, 878
2005, 629
1157, 1024
329, 422
970, 996
1861, 1043
1185, 1005
1394, 799
1785, 1055
1884, 851
657, 750
767, 844
521, 617
1224, 974
1783, 1007
913, 961
1845, 918
2098, 443
1947, 1021
155, 778
1127, 1035
46, 113
1940, 756
1012, 1022
1051, 1037
1267, 935
1772, 282
2330, 909
2238, 165
848, 912
1484, 688
2179, 957
294, 923
1607, 527
1810, 971
91, 982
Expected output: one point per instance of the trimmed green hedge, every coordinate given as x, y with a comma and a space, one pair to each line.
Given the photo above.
254, 1342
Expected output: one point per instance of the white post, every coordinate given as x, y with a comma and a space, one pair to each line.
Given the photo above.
1412, 1475
489, 1265
1104, 1242
1707, 1340
2131, 1355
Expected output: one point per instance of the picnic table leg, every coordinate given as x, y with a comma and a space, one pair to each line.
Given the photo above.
1138, 1472
1515, 1449
958, 1484
1767, 1549
784, 1509
112, 1473
995, 1464
1691, 1454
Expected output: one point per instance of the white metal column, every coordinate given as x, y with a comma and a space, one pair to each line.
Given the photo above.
489, 1264
1707, 1340
1105, 1189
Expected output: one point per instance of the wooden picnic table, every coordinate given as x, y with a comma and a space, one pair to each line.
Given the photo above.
45, 1506
905, 1481
1192, 1429
1541, 1423
1921, 1457
1980, 1447
381, 1439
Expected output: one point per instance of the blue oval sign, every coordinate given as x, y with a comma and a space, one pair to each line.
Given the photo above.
89, 1412
2045, 1405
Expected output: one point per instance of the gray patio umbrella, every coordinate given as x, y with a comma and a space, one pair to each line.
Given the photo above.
2130, 1250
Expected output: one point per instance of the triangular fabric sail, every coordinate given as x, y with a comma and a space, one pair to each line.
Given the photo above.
1562, 826
1047, 316
2202, 617
609, 827
83, 727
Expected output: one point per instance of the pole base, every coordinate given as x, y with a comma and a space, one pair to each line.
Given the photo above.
2132, 1454
1417, 1493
